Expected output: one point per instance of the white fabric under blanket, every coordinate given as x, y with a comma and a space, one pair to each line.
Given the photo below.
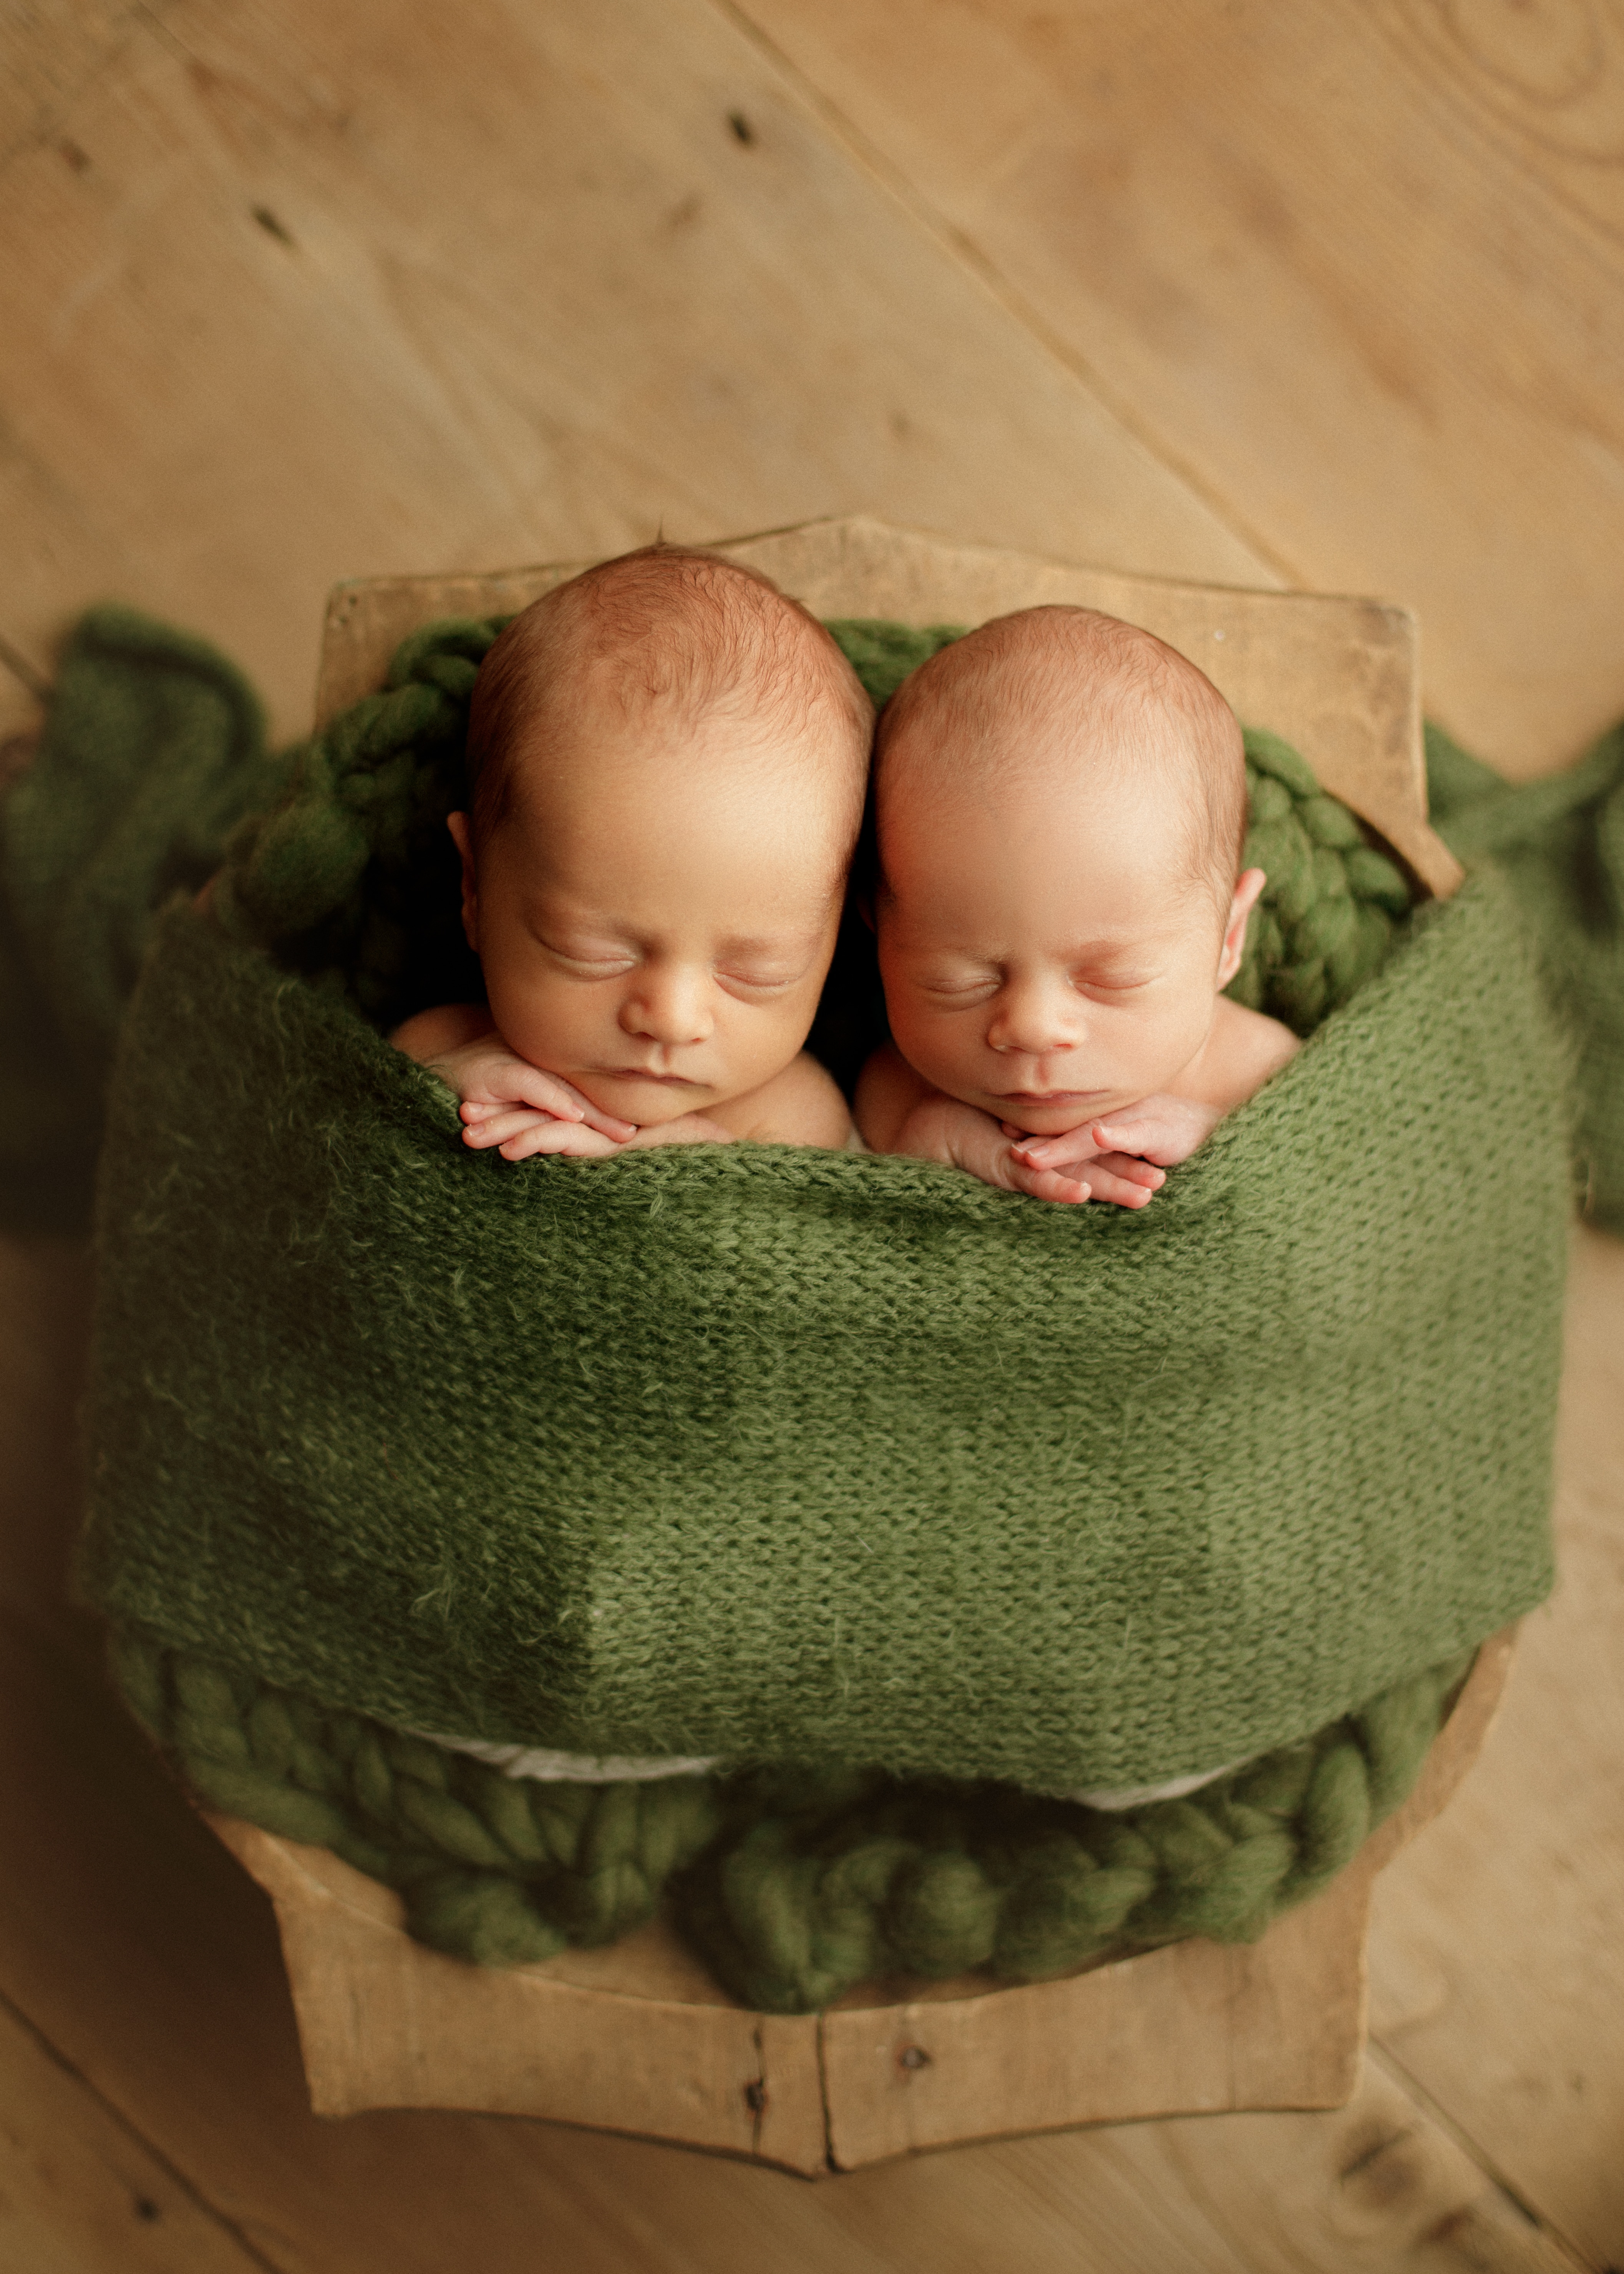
614, 1768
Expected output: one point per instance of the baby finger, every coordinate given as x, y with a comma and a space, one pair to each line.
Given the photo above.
1107, 1187
558, 1137
553, 1094
1070, 1150
1135, 1171
507, 1121
1049, 1185
607, 1125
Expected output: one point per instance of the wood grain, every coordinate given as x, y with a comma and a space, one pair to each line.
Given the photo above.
81, 2193
1498, 1973
1372, 2189
1357, 270
384, 2023
332, 297
637, 2038
1194, 2027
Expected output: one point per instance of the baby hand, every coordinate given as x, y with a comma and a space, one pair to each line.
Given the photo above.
521, 1110
529, 1133
1126, 1155
963, 1137
1098, 1174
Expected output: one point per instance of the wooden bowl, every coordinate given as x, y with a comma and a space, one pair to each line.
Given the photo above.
638, 2038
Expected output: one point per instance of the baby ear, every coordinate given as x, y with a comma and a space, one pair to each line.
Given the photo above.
462, 838
1247, 887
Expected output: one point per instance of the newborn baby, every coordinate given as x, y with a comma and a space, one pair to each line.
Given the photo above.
1060, 807
667, 760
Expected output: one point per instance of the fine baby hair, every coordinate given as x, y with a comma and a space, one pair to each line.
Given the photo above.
664, 629
1055, 687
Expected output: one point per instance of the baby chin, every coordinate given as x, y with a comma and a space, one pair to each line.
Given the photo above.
1045, 1113
645, 1098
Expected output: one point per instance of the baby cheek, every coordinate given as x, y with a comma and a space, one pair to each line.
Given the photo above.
772, 1033
545, 1022
1167, 1042
948, 1048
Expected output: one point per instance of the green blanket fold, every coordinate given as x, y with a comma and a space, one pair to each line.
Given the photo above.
154, 749
1560, 841
781, 1455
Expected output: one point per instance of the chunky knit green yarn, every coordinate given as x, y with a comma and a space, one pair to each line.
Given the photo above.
154, 748
788, 1897
793, 1884
1560, 841
493, 1868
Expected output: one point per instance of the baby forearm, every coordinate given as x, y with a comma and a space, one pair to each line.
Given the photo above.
959, 1136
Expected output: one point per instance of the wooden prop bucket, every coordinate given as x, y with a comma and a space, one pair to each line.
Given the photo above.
637, 2038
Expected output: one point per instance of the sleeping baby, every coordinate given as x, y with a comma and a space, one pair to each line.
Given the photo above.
1060, 807
667, 761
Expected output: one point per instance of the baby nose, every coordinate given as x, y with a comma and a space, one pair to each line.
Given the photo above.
1032, 1019
670, 1005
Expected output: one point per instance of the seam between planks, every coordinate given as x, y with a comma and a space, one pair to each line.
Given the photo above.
1381, 2057
968, 255
171, 2171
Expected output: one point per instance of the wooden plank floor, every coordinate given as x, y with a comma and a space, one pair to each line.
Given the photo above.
1327, 296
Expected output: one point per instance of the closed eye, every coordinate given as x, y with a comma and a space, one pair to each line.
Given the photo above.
957, 994
952, 991
590, 962
760, 983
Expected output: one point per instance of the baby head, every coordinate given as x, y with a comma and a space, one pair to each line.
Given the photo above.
1060, 805
667, 760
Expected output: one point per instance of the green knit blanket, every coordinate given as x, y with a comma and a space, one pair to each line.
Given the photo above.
783, 1456
778, 1455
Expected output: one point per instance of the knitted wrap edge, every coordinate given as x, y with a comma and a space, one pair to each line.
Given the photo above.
792, 1885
